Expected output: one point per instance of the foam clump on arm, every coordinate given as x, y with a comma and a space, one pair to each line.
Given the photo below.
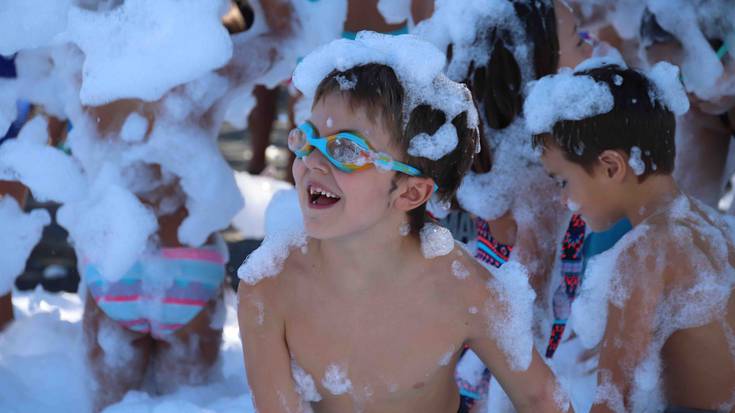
146, 38
284, 230
564, 96
20, 233
511, 318
305, 385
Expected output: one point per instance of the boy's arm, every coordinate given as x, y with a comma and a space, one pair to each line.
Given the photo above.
267, 360
532, 390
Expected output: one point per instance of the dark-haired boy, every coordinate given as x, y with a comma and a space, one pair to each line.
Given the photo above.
363, 319
664, 288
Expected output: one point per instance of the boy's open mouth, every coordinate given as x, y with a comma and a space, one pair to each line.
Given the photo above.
321, 198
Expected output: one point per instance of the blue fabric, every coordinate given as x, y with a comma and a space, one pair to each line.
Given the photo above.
599, 242
7, 67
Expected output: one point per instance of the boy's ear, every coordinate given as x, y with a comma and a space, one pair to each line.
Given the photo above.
613, 164
413, 192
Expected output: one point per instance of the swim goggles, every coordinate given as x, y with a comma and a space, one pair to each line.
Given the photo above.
347, 151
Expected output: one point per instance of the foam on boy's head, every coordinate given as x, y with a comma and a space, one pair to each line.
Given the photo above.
609, 107
399, 81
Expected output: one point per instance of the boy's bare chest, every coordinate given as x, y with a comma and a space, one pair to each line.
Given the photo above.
376, 348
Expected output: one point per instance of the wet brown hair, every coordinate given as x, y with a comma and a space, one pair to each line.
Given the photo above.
636, 119
497, 85
378, 90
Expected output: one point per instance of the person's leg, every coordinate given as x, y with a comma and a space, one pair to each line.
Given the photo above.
187, 356
6, 310
260, 124
117, 356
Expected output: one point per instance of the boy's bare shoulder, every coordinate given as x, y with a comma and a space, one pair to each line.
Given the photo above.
676, 246
272, 285
460, 276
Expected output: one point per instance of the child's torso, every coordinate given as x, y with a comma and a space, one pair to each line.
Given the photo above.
394, 346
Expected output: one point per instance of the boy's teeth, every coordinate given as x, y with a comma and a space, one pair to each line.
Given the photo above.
319, 191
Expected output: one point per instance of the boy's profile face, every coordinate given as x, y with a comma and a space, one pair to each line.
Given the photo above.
356, 200
584, 193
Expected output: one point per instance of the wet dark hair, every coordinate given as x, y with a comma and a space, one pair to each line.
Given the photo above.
378, 90
497, 85
636, 119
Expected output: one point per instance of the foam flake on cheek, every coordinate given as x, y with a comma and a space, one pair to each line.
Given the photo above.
473, 310
436, 241
573, 206
335, 379
636, 162
459, 270
330, 122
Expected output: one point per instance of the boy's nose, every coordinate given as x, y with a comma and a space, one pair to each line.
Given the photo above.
315, 161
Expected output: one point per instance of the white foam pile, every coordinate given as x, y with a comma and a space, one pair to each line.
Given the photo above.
30, 160
30, 24
422, 84
564, 96
395, 11
284, 231
668, 89
510, 314
258, 191
134, 50
43, 367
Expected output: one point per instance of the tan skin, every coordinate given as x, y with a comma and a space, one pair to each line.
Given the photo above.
363, 297
186, 356
699, 370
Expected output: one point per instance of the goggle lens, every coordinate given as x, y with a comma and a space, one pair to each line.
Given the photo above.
296, 140
346, 151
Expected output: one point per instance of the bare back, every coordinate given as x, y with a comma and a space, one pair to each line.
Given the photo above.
673, 308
